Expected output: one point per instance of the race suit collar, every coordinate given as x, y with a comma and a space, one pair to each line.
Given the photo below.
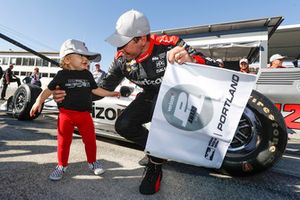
145, 55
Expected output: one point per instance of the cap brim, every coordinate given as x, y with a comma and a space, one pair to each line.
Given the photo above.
117, 40
92, 56
95, 57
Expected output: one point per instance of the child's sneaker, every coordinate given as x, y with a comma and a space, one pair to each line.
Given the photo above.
96, 167
58, 173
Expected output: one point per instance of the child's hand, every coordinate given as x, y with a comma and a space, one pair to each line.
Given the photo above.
36, 107
116, 94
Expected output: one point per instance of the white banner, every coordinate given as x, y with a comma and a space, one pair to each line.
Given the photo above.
197, 112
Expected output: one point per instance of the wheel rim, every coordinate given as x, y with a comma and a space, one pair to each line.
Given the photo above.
247, 136
20, 100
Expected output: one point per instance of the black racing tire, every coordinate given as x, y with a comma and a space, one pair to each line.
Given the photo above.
10, 104
23, 100
259, 141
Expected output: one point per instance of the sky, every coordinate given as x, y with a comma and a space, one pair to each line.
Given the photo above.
44, 25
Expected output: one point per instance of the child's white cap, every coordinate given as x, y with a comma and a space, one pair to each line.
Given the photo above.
76, 46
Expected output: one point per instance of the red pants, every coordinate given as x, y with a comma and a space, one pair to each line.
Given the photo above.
67, 120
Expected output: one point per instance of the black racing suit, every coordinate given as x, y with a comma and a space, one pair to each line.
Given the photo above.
147, 72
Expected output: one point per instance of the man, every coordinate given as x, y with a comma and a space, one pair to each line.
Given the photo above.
98, 73
244, 65
8, 77
142, 59
276, 61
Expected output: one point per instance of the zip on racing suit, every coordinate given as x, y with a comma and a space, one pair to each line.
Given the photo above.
147, 72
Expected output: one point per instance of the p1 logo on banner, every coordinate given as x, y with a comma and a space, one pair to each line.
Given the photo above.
182, 107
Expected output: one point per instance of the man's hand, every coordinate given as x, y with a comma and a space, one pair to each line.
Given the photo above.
58, 94
180, 55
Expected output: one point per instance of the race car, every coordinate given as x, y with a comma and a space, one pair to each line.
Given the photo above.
261, 136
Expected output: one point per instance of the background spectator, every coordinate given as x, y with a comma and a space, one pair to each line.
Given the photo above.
35, 77
220, 62
8, 77
244, 65
276, 61
98, 73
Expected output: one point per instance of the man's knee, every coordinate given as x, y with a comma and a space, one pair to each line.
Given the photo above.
122, 127
132, 132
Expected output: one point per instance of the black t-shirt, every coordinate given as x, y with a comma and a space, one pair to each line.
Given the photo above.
78, 86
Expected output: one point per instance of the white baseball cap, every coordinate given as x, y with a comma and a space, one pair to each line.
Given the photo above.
245, 60
276, 57
76, 46
129, 25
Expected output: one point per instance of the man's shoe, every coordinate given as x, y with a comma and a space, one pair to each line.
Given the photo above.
96, 167
152, 178
144, 161
58, 173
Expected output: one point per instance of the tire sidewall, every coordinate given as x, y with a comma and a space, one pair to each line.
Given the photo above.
28, 93
270, 144
10, 104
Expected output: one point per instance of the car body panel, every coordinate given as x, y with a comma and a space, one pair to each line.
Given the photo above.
282, 87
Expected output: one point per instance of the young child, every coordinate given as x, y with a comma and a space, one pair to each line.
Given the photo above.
74, 110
